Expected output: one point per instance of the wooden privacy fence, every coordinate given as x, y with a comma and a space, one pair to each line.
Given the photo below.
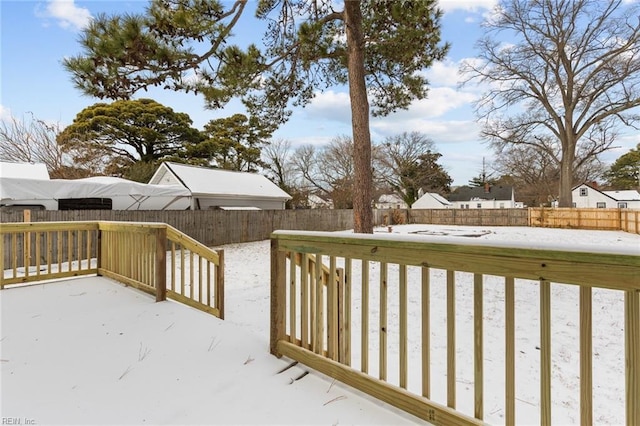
582, 218
153, 257
382, 324
470, 217
603, 219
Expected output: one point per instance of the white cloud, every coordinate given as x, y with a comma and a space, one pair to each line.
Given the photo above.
443, 73
5, 113
441, 131
66, 13
466, 5
330, 105
440, 101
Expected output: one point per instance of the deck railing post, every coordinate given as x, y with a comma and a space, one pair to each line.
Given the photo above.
632, 349
99, 250
161, 264
220, 284
278, 297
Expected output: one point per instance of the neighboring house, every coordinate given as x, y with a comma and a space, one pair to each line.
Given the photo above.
316, 202
390, 201
24, 170
223, 189
484, 197
432, 200
587, 196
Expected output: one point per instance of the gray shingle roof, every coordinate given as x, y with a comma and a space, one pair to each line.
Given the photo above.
467, 193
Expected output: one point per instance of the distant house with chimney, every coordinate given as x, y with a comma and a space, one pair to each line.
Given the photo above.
484, 197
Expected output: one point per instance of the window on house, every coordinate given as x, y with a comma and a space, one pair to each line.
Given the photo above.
502, 205
574, 205
601, 205
479, 205
583, 192
622, 205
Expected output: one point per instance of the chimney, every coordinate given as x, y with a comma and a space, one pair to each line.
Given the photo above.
486, 187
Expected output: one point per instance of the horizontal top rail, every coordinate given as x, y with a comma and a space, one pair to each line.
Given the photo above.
191, 244
609, 267
48, 226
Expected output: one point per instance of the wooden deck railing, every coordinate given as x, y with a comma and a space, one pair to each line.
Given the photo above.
153, 257
381, 352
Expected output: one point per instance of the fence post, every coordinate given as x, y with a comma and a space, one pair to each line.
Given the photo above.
161, 264
278, 297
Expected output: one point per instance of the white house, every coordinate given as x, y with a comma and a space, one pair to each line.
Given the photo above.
432, 200
390, 201
224, 189
484, 197
316, 202
586, 196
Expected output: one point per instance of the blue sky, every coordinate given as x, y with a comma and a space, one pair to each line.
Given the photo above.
36, 35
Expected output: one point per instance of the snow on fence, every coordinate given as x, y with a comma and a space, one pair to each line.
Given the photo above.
413, 321
153, 257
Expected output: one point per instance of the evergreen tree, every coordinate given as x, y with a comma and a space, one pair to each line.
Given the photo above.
125, 132
378, 46
625, 172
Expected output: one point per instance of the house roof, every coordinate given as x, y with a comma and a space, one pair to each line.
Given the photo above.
626, 195
203, 181
467, 193
24, 170
424, 200
623, 195
390, 198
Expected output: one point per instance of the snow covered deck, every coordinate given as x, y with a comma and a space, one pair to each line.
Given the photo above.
92, 351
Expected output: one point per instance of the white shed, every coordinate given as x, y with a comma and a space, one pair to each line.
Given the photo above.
216, 188
432, 200
390, 201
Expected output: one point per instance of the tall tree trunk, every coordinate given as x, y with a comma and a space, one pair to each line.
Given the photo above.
362, 213
566, 175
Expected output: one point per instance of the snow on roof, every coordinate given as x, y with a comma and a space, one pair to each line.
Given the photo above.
424, 200
205, 181
23, 170
238, 208
626, 195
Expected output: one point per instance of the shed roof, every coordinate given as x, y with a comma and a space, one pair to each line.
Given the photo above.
202, 181
24, 170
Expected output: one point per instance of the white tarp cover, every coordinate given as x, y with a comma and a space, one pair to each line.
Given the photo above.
23, 170
12, 190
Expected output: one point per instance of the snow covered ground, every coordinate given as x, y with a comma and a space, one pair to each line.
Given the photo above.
89, 351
